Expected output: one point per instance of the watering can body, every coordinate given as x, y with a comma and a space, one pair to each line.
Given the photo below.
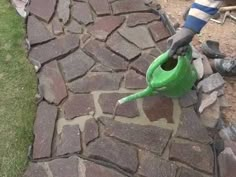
168, 77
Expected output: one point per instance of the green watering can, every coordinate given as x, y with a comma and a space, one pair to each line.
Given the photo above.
168, 77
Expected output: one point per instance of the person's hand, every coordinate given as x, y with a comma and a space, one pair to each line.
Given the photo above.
178, 43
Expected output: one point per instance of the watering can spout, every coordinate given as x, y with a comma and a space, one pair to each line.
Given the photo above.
146, 92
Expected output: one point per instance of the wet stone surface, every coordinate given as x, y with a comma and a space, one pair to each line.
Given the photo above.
108, 101
158, 107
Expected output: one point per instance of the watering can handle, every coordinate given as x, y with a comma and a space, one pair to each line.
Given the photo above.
156, 63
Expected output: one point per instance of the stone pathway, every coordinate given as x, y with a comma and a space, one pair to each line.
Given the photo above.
88, 54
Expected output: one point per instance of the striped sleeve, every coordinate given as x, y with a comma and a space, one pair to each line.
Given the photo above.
200, 13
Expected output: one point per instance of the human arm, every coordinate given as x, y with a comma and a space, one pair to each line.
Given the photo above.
198, 16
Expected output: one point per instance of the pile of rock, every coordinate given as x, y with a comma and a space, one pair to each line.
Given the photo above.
211, 100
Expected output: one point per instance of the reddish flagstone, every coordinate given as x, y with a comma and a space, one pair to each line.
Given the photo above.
78, 105
52, 84
69, 140
54, 49
100, 7
121, 46
157, 107
159, 31
43, 130
123, 155
141, 19
44, 9
105, 26
126, 6
37, 32
81, 12
105, 56
108, 101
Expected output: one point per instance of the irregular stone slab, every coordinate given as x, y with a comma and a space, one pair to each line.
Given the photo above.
63, 10
57, 27
37, 32
54, 49
157, 107
211, 115
207, 67
141, 19
96, 81
69, 140
76, 65
230, 144
74, 27
152, 166
227, 162
119, 45
81, 12
159, 31
78, 105
155, 52
43, 130
142, 63
187, 172
189, 99
64, 167
126, 6
191, 128
85, 37
43, 9
198, 64
133, 80
94, 170
101, 68
150, 138
90, 131
207, 101
139, 36
100, 7
211, 83
105, 26
52, 84
35, 170
105, 56
198, 156
162, 45
120, 154
108, 101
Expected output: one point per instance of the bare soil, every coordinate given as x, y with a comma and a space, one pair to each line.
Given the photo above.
225, 34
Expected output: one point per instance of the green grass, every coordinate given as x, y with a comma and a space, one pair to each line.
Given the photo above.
17, 90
